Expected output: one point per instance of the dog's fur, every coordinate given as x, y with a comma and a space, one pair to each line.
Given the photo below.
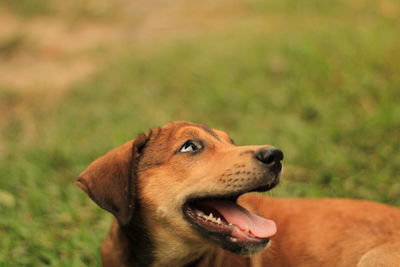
145, 182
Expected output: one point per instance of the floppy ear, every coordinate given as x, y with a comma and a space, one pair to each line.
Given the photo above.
110, 180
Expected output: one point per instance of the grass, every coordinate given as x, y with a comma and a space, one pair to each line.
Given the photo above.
28, 8
321, 83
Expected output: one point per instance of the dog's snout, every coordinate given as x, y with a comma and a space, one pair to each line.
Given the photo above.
269, 155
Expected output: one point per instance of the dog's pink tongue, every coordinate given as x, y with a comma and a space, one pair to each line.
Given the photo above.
245, 220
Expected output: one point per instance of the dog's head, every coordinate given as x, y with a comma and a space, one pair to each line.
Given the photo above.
186, 179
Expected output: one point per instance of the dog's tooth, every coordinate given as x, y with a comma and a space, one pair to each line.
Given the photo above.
219, 220
199, 213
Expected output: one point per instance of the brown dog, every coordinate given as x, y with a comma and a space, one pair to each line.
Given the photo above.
174, 193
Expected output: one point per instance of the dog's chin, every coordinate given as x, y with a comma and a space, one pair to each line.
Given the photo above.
222, 221
245, 248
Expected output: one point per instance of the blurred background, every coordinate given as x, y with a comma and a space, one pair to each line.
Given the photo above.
319, 79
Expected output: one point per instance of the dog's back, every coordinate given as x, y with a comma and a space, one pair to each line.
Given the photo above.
329, 232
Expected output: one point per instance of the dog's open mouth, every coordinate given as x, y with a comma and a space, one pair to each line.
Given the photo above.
224, 219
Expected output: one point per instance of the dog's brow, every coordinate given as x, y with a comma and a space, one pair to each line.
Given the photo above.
210, 131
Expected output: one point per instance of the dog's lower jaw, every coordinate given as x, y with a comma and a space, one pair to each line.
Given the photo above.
173, 251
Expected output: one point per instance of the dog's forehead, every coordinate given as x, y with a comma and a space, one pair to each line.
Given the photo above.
182, 128
163, 142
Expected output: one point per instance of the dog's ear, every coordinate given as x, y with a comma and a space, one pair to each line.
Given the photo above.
110, 180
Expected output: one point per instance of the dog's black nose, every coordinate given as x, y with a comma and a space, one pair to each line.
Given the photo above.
269, 155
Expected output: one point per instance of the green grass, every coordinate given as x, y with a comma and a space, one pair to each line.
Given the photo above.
28, 8
323, 85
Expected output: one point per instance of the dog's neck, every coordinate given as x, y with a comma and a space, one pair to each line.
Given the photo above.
145, 254
157, 248
139, 247
172, 250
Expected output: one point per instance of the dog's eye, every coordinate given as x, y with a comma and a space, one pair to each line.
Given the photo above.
190, 147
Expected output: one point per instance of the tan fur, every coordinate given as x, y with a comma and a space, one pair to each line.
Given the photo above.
311, 232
